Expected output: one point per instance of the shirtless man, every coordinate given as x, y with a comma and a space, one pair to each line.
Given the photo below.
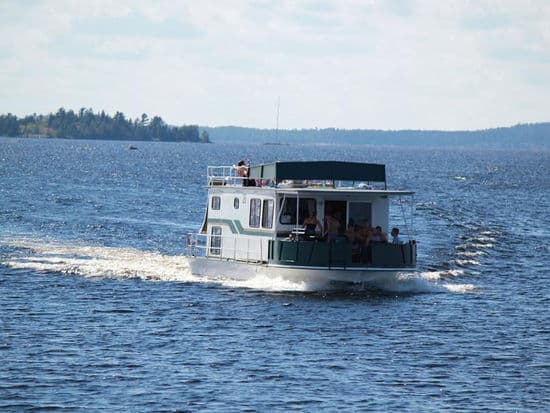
241, 169
332, 227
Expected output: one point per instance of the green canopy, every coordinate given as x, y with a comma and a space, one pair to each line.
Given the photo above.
327, 170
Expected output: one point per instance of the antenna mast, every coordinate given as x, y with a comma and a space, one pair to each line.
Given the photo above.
277, 129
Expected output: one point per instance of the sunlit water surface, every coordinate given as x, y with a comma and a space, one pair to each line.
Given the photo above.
99, 311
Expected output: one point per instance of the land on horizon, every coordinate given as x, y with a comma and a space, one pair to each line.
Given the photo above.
526, 136
85, 124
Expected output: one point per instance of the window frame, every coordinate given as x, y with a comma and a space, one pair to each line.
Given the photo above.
255, 213
302, 213
216, 240
267, 223
216, 202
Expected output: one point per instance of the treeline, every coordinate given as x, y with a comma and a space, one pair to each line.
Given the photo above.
85, 124
530, 135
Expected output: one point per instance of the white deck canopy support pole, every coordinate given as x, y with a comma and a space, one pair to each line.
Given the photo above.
409, 229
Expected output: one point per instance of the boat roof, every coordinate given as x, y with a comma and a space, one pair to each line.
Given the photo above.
326, 170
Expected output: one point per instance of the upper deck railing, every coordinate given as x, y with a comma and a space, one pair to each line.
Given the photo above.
223, 175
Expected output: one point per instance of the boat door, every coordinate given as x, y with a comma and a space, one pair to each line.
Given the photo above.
336, 209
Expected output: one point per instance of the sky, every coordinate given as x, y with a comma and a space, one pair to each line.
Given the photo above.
350, 64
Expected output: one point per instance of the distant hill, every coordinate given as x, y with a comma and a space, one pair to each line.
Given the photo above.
522, 136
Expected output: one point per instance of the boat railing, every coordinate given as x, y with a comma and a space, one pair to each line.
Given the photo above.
223, 175
341, 253
223, 247
298, 252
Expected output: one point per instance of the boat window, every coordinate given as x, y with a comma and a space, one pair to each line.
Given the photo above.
236, 203
255, 211
288, 210
216, 202
267, 214
216, 240
359, 212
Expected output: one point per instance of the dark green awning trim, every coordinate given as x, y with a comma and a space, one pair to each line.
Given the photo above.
333, 170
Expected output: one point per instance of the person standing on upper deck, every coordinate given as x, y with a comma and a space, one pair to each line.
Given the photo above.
241, 169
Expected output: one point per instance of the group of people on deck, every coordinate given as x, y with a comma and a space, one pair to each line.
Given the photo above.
368, 235
359, 236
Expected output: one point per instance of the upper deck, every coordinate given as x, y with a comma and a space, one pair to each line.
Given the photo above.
310, 176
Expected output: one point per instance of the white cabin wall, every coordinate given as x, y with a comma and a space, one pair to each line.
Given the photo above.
252, 243
380, 213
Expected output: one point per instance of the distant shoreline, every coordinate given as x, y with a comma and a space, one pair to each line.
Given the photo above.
532, 136
85, 124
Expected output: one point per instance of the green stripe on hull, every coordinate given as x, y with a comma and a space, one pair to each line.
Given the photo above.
236, 227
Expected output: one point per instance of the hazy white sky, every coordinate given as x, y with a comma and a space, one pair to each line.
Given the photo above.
394, 64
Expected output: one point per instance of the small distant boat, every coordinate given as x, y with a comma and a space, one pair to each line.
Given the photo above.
132, 148
255, 225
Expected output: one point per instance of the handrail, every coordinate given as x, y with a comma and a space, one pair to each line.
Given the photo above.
199, 244
223, 175
302, 252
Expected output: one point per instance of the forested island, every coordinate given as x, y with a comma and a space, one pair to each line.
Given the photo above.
85, 124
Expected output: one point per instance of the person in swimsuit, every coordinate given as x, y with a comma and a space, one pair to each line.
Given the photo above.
312, 225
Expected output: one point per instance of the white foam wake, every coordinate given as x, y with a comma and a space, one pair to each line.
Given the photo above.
425, 282
273, 284
128, 263
94, 261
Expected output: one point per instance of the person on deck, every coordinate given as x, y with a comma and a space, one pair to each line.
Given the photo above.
312, 225
332, 227
366, 231
378, 236
395, 236
241, 170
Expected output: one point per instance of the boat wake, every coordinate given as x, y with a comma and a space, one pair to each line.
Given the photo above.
128, 263
428, 282
96, 261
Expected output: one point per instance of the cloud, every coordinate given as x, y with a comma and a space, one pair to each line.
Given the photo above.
355, 63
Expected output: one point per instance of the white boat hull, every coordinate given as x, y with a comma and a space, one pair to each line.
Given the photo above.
216, 268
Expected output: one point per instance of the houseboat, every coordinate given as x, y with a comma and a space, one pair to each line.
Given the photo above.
311, 221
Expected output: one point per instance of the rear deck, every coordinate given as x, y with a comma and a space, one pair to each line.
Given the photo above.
341, 253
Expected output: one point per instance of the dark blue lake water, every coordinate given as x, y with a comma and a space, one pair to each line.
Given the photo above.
99, 312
